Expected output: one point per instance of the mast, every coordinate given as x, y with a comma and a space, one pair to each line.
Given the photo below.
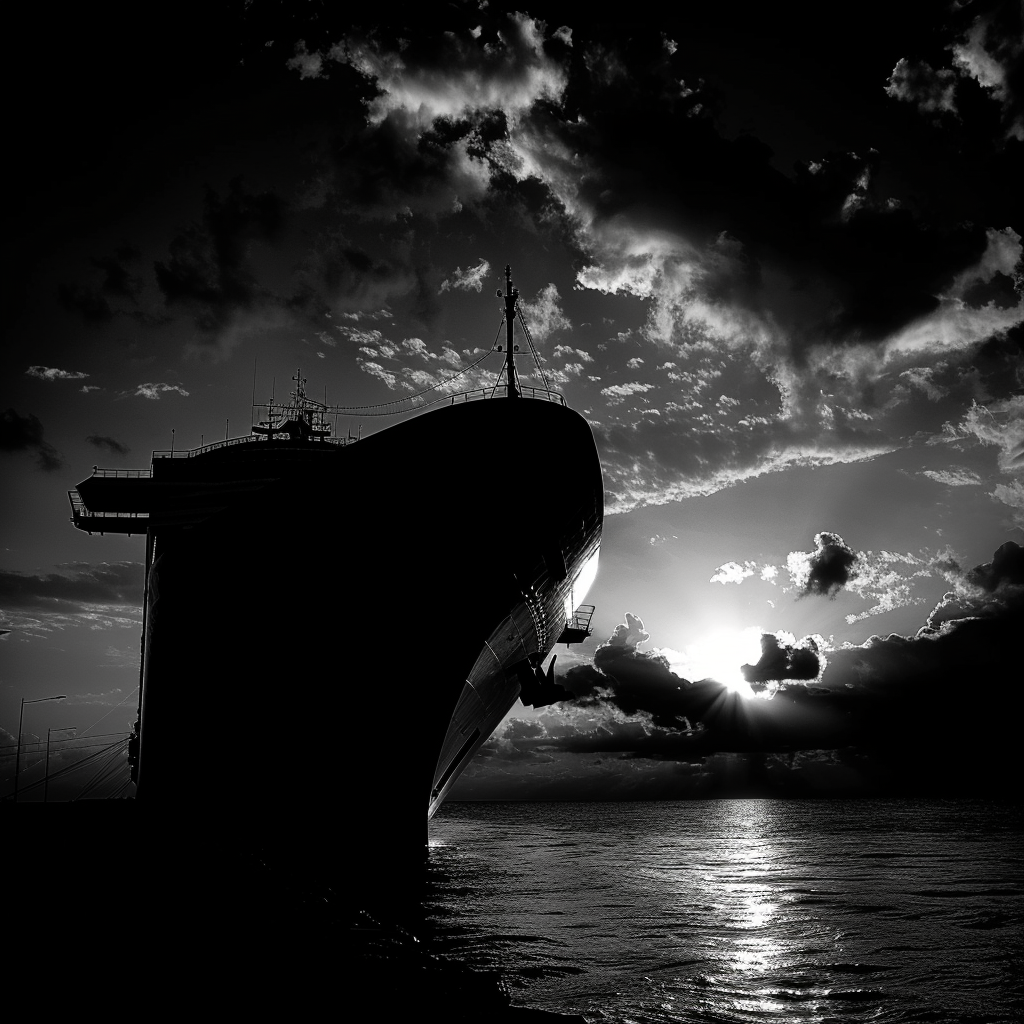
511, 295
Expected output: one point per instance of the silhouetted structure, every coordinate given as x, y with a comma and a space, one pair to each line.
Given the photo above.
333, 628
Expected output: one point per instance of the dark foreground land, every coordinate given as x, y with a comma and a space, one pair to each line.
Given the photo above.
155, 913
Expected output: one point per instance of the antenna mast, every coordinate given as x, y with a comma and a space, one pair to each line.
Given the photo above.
511, 296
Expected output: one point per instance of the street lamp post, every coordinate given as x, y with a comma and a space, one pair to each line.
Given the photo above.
21, 722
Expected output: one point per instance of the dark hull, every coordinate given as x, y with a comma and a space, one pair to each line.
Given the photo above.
332, 631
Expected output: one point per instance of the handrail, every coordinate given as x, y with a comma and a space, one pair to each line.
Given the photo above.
188, 453
477, 394
79, 510
123, 474
526, 390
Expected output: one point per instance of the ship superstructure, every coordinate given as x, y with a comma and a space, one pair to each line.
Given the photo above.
344, 692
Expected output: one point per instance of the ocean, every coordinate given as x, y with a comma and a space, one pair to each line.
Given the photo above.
730, 911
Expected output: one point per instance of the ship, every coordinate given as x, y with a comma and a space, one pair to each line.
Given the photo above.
334, 626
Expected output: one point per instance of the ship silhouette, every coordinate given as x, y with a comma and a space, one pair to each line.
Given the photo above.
334, 626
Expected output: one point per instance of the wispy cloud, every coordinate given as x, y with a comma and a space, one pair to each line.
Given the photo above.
470, 279
154, 391
52, 373
109, 444
105, 595
953, 477
544, 314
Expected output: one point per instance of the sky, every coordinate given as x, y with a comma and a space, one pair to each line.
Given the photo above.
774, 259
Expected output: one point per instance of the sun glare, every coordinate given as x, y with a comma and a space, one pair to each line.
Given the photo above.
718, 655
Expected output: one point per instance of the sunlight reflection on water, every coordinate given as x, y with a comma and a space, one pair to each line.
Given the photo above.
736, 910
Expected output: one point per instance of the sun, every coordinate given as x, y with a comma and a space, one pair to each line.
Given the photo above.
718, 655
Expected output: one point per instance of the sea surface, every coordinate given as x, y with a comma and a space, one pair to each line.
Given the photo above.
738, 910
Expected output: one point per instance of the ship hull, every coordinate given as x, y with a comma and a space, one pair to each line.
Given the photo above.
328, 643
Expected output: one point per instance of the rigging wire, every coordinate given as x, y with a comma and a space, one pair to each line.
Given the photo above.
106, 769
90, 759
38, 746
344, 409
110, 712
533, 349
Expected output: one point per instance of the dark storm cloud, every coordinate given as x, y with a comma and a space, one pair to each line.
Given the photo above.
118, 280
207, 270
119, 284
640, 683
25, 434
922, 711
824, 276
342, 277
827, 569
93, 307
78, 586
860, 264
1005, 570
652, 161
109, 444
782, 660
438, 102
989, 51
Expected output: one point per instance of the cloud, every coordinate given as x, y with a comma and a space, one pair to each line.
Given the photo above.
953, 477
621, 391
989, 52
390, 363
308, 65
932, 92
886, 579
877, 708
435, 115
782, 658
208, 270
52, 373
109, 444
827, 569
116, 295
820, 285
343, 279
544, 314
1012, 494
1000, 424
25, 434
732, 572
459, 78
471, 278
91, 306
154, 391
100, 596
629, 633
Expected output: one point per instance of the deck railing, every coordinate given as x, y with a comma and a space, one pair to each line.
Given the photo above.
477, 394
188, 453
498, 391
122, 474
81, 514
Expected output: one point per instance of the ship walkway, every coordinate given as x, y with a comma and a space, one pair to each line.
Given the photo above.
107, 522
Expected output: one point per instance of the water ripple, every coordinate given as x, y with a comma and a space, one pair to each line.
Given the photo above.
752, 910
